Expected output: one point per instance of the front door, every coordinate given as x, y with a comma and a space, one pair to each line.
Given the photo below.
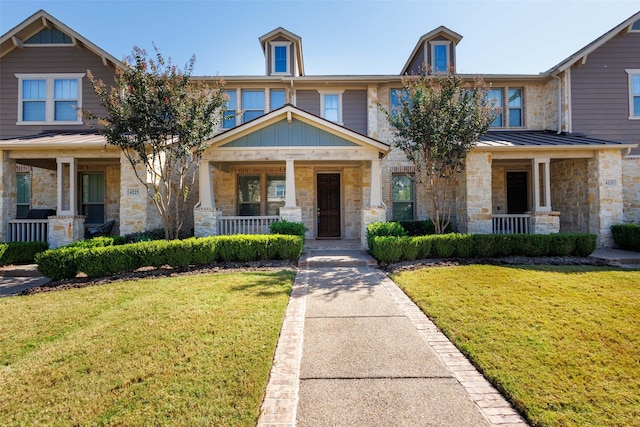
328, 205
517, 193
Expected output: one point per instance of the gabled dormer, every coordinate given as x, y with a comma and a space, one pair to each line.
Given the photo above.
435, 52
282, 53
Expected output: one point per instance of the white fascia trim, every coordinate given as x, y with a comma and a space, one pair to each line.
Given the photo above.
630, 73
273, 45
49, 100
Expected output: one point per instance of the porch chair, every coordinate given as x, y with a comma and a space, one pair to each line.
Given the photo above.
103, 230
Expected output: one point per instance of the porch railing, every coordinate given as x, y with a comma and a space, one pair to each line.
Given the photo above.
27, 230
245, 224
512, 224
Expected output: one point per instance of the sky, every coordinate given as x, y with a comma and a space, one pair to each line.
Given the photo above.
349, 37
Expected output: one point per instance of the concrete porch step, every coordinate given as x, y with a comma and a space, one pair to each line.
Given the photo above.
618, 257
336, 258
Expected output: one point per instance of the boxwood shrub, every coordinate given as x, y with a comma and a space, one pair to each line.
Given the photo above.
627, 236
20, 252
99, 261
388, 249
422, 228
287, 227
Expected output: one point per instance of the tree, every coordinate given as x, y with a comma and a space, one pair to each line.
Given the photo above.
437, 121
162, 120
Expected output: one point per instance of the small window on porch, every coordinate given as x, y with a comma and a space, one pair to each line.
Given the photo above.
249, 195
93, 197
403, 197
276, 193
23, 195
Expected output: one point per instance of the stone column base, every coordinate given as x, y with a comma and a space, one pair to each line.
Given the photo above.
205, 221
545, 222
65, 229
371, 214
291, 214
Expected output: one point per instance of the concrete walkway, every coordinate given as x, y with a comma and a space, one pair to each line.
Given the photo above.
17, 278
354, 350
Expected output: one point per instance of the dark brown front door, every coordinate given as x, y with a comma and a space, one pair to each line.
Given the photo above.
517, 194
328, 205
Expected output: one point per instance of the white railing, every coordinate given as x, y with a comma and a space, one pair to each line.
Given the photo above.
27, 230
245, 224
512, 224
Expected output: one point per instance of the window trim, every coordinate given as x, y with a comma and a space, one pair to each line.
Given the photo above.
235, 109
18, 203
324, 93
630, 74
284, 98
242, 106
634, 24
49, 114
506, 124
72, 43
264, 203
432, 48
411, 177
82, 203
286, 45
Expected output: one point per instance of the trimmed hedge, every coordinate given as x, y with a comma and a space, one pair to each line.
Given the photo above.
627, 236
20, 252
389, 249
100, 261
288, 228
422, 228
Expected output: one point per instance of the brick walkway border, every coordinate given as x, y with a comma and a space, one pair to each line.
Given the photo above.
281, 397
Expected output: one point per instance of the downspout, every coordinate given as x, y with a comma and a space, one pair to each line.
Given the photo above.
559, 104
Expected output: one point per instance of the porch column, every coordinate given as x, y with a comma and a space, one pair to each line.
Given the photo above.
290, 211
605, 194
376, 210
475, 203
66, 226
8, 201
205, 214
541, 185
375, 195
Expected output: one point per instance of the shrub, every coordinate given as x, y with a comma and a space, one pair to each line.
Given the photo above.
387, 249
485, 245
288, 228
626, 236
98, 242
424, 246
145, 236
442, 245
562, 244
20, 252
58, 264
464, 245
381, 229
585, 244
422, 228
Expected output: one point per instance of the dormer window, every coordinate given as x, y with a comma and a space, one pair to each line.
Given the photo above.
280, 58
440, 56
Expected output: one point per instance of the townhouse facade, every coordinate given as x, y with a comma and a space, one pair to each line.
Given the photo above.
561, 157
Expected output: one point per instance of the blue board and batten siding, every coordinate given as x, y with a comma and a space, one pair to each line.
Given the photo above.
600, 91
285, 134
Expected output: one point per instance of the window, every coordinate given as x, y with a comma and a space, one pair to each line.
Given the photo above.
276, 193
440, 57
636, 26
23, 195
277, 98
634, 94
252, 104
402, 197
512, 114
515, 107
49, 36
49, 99
249, 195
229, 114
331, 106
397, 96
93, 197
280, 58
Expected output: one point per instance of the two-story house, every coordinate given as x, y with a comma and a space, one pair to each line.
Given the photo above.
317, 149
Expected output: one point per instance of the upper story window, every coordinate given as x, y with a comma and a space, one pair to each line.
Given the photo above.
634, 94
331, 106
49, 99
49, 36
277, 98
229, 113
396, 98
511, 114
440, 56
636, 26
280, 58
252, 104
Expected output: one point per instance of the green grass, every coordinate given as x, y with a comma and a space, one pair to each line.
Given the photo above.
190, 350
562, 343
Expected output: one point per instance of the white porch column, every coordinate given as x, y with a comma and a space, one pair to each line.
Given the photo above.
375, 193
541, 185
290, 190
207, 199
67, 177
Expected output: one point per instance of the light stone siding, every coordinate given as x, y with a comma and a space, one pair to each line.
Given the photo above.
605, 194
7, 192
64, 230
569, 194
474, 195
545, 222
631, 189
540, 105
137, 211
43, 188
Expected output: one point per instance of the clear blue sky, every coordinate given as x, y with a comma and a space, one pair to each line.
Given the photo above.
338, 37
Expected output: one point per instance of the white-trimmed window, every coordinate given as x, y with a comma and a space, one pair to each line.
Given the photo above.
440, 60
277, 98
403, 197
634, 94
49, 36
512, 111
495, 96
93, 200
49, 98
396, 101
635, 27
252, 104
253, 190
23, 194
331, 106
229, 112
280, 54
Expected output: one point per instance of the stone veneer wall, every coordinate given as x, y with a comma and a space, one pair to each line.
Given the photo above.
7, 192
43, 188
605, 194
631, 189
137, 211
570, 194
474, 195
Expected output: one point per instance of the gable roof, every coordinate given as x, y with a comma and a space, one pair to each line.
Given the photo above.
40, 20
441, 30
289, 35
290, 113
585, 51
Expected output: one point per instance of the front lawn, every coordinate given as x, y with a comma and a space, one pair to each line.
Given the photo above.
189, 350
562, 343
